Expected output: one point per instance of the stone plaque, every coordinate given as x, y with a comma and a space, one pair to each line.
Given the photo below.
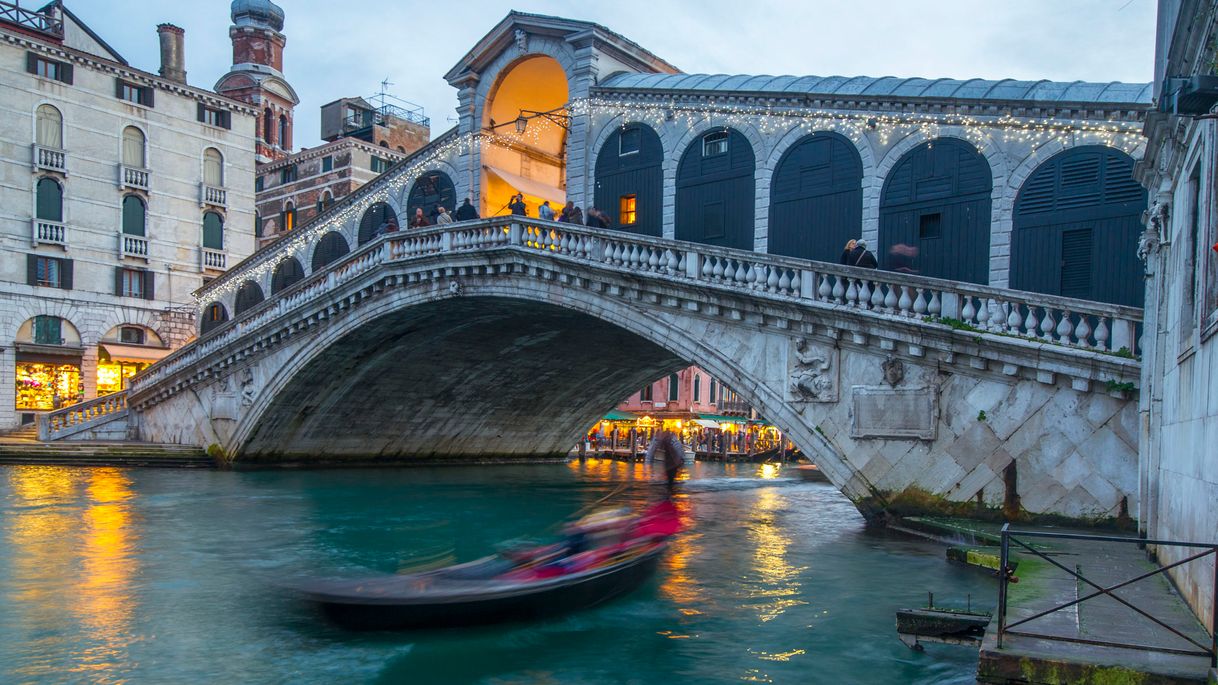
881, 412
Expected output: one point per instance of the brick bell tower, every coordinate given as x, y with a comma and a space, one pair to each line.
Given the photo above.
257, 77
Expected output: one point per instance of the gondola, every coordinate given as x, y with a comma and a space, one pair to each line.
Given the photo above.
528, 584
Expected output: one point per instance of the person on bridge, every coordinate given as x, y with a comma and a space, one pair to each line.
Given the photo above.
863, 257
419, 220
545, 212
848, 252
517, 205
443, 217
669, 446
466, 211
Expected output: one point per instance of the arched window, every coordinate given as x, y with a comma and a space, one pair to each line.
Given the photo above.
716, 198
213, 316
257, 225
674, 387
630, 180
134, 148
935, 213
248, 295
816, 198
288, 218
49, 131
376, 220
288, 271
326, 201
401, 149
697, 387
432, 189
385, 144
330, 247
283, 132
213, 231
134, 215
213, 168
1073, 222
49, 200
268, 126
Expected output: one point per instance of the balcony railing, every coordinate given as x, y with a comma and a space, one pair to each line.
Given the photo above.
28, 19
214, 260
43, 232
132, 246
211, 195
50, 159
133, 177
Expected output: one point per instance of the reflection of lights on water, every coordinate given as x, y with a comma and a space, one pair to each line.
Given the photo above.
779, 578
106, 598
778, 656
768, 471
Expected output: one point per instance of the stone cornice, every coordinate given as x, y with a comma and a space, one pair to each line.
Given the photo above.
128, 73
329, 148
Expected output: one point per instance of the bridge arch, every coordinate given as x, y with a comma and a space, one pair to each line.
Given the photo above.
214, 315
629, 179
329, 247
286, 273
430, 190
248, 296
935, 210
716, 190
375, 220
816, 197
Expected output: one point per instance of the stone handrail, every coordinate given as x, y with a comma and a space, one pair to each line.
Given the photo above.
1093, 326
72, 419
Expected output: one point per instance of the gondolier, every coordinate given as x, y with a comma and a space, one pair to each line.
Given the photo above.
668, 445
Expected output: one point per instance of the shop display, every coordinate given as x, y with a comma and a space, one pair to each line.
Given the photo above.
44, 386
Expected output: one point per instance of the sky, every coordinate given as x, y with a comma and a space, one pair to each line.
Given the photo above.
345, 48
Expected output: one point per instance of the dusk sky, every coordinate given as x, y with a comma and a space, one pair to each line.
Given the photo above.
340, 49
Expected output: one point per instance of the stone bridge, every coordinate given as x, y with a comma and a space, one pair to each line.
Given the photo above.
504, 338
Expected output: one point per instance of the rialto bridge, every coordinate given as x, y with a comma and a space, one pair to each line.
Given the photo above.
508, 337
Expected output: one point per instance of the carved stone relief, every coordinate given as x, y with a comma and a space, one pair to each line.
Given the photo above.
813, 372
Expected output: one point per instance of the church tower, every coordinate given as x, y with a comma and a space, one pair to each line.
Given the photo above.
256, 76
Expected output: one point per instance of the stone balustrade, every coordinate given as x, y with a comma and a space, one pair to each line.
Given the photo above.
43, 232
983, 310
56, 424
50, 159
133, 177
213, 195
215, 260
132, 246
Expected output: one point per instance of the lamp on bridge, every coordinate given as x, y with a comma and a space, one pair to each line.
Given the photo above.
557, 115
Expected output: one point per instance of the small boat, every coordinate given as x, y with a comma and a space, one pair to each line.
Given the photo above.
526, 584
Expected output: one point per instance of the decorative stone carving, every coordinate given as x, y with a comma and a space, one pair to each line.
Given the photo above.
894, 371
1155, 218
454, 288
813, 373
247, 387
901, 413
223, 399
522, 39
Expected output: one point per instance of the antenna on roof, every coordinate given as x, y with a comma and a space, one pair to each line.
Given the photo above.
384, 90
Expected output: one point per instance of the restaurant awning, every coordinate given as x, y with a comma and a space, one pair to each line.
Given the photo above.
134, 353
617, 415
706, 423
528, 186
717, 418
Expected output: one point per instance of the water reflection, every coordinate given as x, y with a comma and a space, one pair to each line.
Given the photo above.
778, 588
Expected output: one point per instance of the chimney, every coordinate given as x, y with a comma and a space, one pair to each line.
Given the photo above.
173, 55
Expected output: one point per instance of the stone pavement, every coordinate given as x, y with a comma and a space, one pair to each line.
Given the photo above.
1041, 586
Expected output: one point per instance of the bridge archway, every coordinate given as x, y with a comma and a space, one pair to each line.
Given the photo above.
935, 210
716, 190
816, 198
430, 190
374, 222
214, 316
630, 179
248, 296
531, 94
1074, 220
286, 273
329, 247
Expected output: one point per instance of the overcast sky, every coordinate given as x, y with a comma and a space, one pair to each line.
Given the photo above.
340, 48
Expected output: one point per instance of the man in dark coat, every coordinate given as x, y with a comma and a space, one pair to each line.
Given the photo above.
466, 212
863, 257
668, 445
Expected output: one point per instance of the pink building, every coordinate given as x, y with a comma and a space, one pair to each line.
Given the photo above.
685, 395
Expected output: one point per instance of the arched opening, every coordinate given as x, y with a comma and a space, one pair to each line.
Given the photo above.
214, 315
1075, 219
431, 190
213, 168
284, 135
49, 127
377, 220
286, 273
533, 161
48, 364
288, 218
935, 212
124, 351
248, 296
330, 247
134, 154
268, 126
213, 231
816, 198
630, 180
49, 200
716, 192
134, 215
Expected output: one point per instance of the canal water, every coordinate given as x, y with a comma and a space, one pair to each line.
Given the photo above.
174, 576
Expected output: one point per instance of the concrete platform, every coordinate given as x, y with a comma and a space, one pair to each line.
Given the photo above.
1032, 660
24, 450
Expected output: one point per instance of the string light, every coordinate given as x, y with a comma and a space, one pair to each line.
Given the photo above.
884, 127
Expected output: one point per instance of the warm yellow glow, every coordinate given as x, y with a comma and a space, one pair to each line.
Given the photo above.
626, 210
112, 376
47, 386
779, 587
768, 471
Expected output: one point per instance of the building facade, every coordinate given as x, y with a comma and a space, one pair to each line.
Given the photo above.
122, 192
1179, 394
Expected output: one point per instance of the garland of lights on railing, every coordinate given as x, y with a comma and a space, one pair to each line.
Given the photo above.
1125, 136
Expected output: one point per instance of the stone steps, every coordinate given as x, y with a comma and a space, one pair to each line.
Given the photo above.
105, 454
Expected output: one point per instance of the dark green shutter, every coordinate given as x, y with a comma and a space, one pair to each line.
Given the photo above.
49, 200
201, 112
118, 88
65, 274
134, 216
31, 269
149, 96
118, 280
65, 73
149, 285
226, 119
31, 62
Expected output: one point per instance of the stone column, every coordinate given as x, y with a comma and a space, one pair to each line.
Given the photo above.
88, 369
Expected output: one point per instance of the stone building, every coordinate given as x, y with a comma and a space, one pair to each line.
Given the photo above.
122, 191
1179, 394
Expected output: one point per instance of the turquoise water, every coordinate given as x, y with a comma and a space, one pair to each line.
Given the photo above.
168, 576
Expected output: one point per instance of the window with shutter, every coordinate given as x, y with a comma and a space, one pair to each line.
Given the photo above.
49, 200
134, 215
49, 131
213, 168
1076, 263
48, 330
213, 231
674, 388
133, 147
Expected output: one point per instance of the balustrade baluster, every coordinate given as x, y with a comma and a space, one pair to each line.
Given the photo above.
905, 303
935, 308
838, 289
1082, 332
890, 299
1101, 334
919, 304
1030, 323
771, 279
1047, 324
785, 281
1064, 328
824, 290
741, 275
877, 295
983, 314
708, 269
852, 292
720, 268
968, 312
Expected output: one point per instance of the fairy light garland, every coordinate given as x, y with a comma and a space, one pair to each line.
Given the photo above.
979, 130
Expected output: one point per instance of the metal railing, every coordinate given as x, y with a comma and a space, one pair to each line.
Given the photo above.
52, 425
133, 177
1005, 572
43, 232
43, 23
50, 159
